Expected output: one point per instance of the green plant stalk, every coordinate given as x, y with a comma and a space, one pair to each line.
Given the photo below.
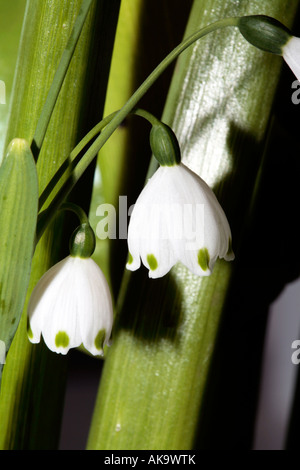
94, 149
27, 188
155, 374
113, 170
59, 77
70, 162
19, 207
10, 30
33, 379
136, 53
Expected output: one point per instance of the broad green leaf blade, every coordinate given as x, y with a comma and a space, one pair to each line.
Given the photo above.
59, 77
18, 207
10, 30
33, 382
155, 375
137, 51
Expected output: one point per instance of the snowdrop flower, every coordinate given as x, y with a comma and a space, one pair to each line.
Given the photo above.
71, 304
176, 218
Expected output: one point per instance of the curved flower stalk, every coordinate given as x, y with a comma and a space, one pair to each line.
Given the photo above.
71, 304
177, 217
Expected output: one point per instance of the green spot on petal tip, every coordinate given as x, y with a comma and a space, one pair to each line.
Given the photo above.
62, 339
29, 333
203, 259
99, 340
130, 258
152, 261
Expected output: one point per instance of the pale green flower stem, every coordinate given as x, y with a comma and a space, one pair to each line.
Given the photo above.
71, 162
155, 377
58, 79
69, 206
117, 119
33, 380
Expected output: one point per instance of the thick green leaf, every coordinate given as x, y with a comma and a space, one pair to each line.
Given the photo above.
10, 29
18, 207
33, 382
155, 375
137, 51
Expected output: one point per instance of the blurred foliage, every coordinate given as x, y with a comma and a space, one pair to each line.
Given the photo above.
11, 20
138, 49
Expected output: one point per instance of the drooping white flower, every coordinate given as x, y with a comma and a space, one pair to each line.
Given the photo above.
71, 305
177, 217
291, 55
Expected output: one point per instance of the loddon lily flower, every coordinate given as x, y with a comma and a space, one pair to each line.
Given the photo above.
177, 218
71, 304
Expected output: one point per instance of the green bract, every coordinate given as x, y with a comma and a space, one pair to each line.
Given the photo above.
18, 208
164, 145
264, 32
82, 242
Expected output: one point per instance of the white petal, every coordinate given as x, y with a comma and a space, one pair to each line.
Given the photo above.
291, 54
177, 217
70, 305
148, 232
95, 307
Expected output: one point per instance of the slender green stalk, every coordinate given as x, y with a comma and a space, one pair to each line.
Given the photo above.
33, 382
152, 390
69, 206
58, 79
117, 119
71, 161
146, 115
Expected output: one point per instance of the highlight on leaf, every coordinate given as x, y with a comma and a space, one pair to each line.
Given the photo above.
165, 331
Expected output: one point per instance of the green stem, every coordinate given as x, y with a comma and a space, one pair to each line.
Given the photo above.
72, 160
158, 378
146, 115
91, 153
60, 74
69, 206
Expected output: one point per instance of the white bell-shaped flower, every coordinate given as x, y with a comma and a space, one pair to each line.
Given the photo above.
177, 217
71, 305
291, 55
